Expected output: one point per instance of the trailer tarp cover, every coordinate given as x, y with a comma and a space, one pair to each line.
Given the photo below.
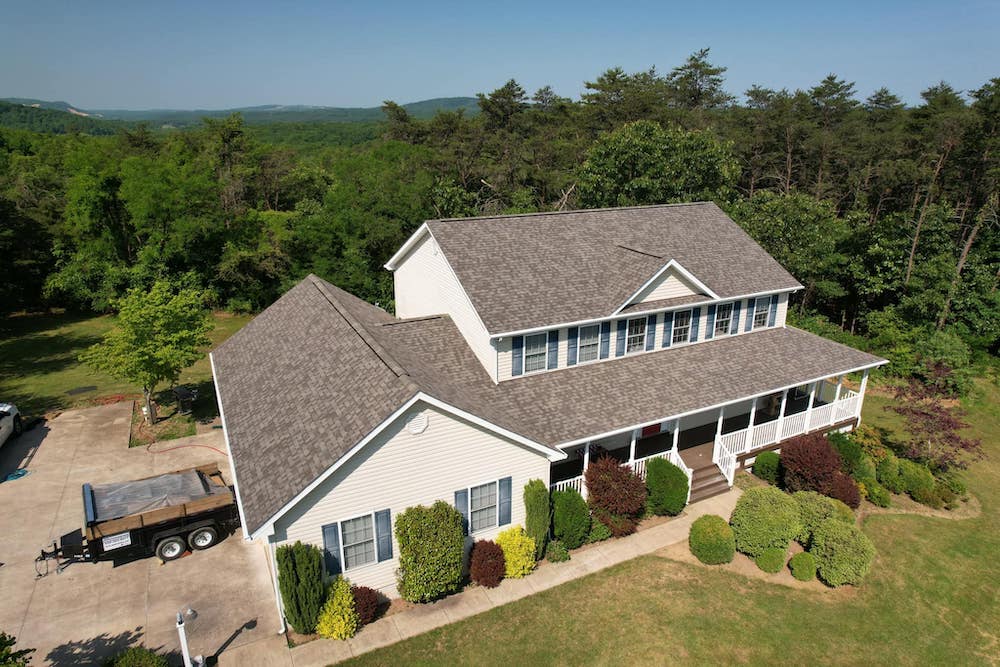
113, 501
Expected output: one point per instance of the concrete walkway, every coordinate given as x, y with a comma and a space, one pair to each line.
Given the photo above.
475, 600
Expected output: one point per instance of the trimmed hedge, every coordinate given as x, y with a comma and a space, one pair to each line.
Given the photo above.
487, 564
815, 508
843, 553
431, 550
887, 474
764, 517
570, 518
339, 618
667, 487
615, 494
537, 514
803, 566
766, 467
366, 601
556, 552
300, 580
771, 560
518, 552
598, 533
809, 463
711, 540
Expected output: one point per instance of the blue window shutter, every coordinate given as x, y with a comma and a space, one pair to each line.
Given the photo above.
383, 535
553, 349
504, 505
462, 505
331, 548
710, 326
695, 321
605, 339
517, 355
620, 343
573, 333
750, 306
668, 328
735, 325
772, 317
651, 332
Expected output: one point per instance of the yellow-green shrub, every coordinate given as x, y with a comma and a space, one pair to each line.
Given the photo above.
518, 552
339, 619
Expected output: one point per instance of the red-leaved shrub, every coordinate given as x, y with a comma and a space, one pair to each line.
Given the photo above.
366, 601
487, 565
616, 496
809, 463
844, 489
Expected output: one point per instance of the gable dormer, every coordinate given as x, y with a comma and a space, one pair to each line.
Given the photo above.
671, 284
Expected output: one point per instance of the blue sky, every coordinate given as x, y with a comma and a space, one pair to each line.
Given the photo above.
216, 55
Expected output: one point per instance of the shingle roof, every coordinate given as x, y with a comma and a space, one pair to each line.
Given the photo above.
316, 372
527, 271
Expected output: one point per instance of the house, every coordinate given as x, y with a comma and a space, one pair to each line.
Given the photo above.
521, 347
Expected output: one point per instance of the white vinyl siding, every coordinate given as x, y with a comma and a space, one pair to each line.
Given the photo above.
636, 337
682, 327
589, 344
667, 286
399, 469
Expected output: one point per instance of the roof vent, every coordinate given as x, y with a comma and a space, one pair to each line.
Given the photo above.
417, 424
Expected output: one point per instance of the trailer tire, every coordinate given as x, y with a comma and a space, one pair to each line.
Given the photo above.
203, 538
170, 548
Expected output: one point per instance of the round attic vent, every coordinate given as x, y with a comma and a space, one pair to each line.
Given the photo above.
417, 424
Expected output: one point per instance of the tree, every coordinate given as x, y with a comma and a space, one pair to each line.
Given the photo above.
159, 333
300, 581
697, 84
11, 657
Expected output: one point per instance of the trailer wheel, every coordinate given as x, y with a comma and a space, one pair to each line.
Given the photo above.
18, 426
203, 538
170, 548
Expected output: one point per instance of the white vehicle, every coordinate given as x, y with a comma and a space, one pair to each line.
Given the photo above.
10, 422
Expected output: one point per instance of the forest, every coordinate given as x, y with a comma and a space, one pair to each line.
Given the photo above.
886, 213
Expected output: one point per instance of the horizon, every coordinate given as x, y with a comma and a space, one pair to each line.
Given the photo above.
193, 57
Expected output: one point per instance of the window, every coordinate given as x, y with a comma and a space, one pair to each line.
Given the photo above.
535, 350
682, 327
723, 319
589, 343
358, 536
636, 338
483, 506
760, 312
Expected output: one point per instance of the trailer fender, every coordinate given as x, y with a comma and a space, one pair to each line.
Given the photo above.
181, 531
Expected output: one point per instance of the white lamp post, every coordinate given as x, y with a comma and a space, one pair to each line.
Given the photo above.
197, 661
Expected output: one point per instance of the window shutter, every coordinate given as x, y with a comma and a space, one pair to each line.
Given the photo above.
504, 501
331, 548
383, 535
735, 325
553, 349
695, 321
651, 332
517, 355
605, 339
772, 317
462, 505
710, 326
572, 334
620, 342
668, 328
750, 306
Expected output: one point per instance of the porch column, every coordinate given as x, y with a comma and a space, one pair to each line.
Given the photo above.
809, 408
840, 383
631, 447
781, 414
586, 464
861, 392
718, 428
677, 432
753, 412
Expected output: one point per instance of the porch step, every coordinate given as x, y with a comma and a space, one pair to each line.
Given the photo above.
713, 487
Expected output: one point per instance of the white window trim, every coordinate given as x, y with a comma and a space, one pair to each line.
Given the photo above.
757, 311
340, 538
729, 327
673, 327
645, 330
524, 354
579, 338
496, 514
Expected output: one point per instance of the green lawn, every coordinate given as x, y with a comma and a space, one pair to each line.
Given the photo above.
931, 600
39, 371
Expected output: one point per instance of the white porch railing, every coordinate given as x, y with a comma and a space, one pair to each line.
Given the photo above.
724, 453
764, 434
575, 483
848, 406
793, 425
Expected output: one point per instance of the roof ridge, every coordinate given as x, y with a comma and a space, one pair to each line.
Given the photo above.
383, 354
575, 210
425, 318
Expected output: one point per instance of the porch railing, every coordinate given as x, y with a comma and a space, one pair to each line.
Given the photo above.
727, 447
575, 483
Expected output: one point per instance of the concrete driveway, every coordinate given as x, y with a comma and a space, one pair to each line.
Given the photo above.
91, 611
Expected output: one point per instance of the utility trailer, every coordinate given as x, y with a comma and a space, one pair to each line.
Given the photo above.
163, 515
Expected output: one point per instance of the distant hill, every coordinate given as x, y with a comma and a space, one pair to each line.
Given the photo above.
52, 120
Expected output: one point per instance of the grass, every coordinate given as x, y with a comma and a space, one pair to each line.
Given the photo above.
931, 599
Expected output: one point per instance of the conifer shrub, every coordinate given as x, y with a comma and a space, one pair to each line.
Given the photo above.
537, 514
849, 450
771, 560
615, 494
571, 521
518, 552
764, 517
766, 467
598, 533
666, 486
803, 566
916, 480
487, 564
431, 550
865, 468
887, 474
339, 619
300, 581
711, 540
809, 463
556, 552
843, 553
366, 602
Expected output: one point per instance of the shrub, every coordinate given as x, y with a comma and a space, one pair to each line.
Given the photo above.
765, 466
849, 450
667, 486
300, 580
136, 656
917, 479
557, 552
843, 553
929, 497
339, 619
598, 533
764, 517
616, 495
518, 552
570, 518
945, 495
953, 483
366, 601
803, 566
865, 468
809, 463
537, 514
711, 540
487, 564
431, 550
887, 474
771, 560
842, 512
870, 439
815, 508
844, 489
875, 492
